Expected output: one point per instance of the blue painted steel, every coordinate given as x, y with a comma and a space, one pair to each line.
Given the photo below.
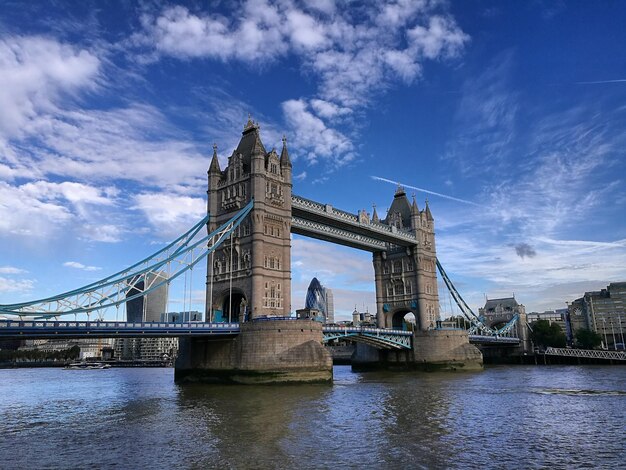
477, 322
124, 278
111, 329
378, 337
490, 339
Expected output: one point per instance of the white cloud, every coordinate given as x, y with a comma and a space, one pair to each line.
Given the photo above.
77, 265
305, 32
22, 213
170, 215
328, 110
34, 73
134, 143
353, 55
178, 32
105, 233
312, 134
11, 270
43, 209
16, 285
300, 176
442, 38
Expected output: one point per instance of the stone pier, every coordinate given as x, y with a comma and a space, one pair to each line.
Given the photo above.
432, 350
266, 351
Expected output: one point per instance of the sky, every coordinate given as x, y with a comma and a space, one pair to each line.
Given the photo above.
508, 116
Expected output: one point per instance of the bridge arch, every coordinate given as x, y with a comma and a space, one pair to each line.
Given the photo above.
400, 318
222, 305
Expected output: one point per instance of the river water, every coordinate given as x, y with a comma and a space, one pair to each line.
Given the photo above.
503, 417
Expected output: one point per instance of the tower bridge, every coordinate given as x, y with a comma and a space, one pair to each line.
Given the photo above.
251, 214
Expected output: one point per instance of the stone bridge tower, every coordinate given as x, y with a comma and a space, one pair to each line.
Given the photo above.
406, 278
255, 266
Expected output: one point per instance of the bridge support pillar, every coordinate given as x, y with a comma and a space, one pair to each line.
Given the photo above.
445, 350
432, 350
266, 351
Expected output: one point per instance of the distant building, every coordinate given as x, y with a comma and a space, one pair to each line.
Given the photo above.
147, 307
604, 312
366, 318
89, 348
181, 317
320, 298
558, 316
146, 349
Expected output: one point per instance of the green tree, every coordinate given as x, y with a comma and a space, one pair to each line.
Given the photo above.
587, 339
545, 334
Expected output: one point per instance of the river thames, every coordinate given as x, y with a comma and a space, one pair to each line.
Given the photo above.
503, 417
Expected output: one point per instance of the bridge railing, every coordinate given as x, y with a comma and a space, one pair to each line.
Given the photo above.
587, 353
11, 324
365, 329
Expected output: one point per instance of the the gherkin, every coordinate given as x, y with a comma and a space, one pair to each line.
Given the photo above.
320, 298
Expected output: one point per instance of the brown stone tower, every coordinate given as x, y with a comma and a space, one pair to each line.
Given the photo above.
251, 273
406, 279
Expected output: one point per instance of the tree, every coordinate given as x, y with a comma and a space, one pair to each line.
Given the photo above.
587, 339
545, 334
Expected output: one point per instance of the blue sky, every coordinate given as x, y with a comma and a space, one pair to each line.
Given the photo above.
514, 111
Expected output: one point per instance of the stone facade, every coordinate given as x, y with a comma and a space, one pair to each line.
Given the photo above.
406, 279
272, 351
432, 350
498, 312
255, 264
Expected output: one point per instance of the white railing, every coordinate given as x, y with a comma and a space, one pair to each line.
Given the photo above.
587, 353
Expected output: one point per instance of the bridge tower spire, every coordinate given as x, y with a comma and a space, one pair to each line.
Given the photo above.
251, 274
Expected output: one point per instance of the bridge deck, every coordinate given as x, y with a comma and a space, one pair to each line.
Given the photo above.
111, 329
379, 337
495, 340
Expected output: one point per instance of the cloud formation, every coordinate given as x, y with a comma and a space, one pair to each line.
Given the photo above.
36, 72
77, 265
354, 53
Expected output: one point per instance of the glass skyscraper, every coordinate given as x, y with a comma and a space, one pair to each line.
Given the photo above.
320, 298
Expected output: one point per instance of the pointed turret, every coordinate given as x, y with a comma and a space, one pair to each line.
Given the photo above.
375, 214
250, 143
215, 164
415, 215
429, 216
414, 209
284, 155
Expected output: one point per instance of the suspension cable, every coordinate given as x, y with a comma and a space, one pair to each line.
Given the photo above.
230, 288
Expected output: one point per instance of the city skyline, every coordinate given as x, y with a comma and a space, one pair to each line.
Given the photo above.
509, 118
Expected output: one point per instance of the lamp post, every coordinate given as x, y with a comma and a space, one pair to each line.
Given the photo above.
621, 330
606, 343
613, 332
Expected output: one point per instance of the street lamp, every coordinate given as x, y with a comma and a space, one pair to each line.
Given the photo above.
613, 332
621, 330
606, 343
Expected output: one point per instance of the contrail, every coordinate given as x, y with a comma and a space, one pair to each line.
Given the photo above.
600, 82
378, 178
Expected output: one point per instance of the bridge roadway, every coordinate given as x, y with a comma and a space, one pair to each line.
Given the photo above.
377, 337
